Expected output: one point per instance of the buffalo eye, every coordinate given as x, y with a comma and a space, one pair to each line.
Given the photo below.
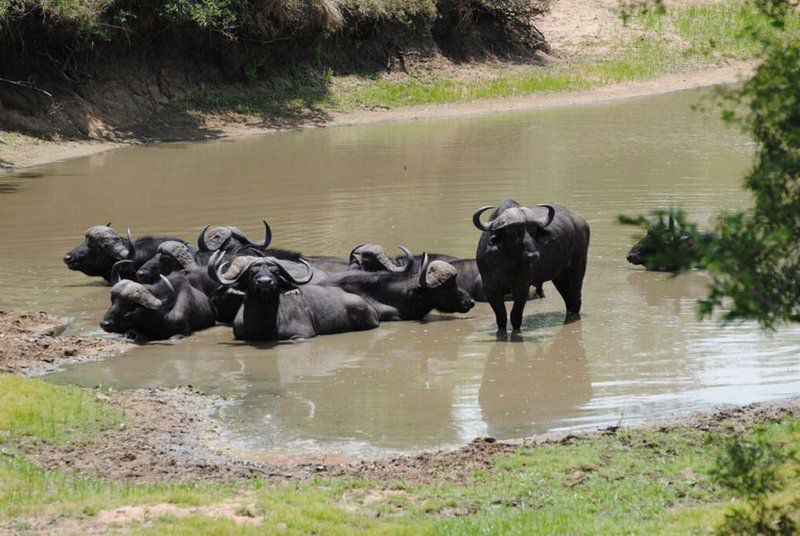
542, 236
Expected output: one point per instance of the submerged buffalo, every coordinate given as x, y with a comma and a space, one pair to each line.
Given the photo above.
280, 306
405, 295
522, 246
103, 247
374, 258
233, 240
170, 307
670, 247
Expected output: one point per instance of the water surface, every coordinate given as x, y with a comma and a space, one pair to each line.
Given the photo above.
639, 350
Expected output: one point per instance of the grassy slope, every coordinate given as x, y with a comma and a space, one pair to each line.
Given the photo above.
689, 37
637, 481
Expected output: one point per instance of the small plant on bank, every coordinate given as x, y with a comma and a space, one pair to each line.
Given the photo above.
755, 470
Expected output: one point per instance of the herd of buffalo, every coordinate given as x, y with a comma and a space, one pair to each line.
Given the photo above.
163, 286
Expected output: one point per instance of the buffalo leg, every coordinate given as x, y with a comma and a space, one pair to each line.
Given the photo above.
570, 289
520, 299
499, 308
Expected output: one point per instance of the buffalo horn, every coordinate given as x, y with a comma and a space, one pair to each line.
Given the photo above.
260, 245
352, 257
551, 214
201, 240
211, 268
131, 247
288, 277
476, 219
423, 271
172, 297
409, 261
115, 278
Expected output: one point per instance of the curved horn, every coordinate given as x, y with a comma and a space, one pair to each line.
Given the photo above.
386, 262
108, 224
114, 278
409, 262
551, 213
131, 247
169, 303
476, 219
211, 267
201, 240
352, 258
288, 277
221, 277
423, 271
260, 245
267, 237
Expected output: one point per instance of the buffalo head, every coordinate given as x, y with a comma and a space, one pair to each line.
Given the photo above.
264, 276
374, 258
517, 231
212, 239
135, 306
664, 248
101, 248
437, 283
172, 256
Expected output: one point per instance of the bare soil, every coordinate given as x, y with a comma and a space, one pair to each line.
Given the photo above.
33, 343
573, 28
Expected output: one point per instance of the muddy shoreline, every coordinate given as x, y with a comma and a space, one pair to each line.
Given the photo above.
171, 434
21, 153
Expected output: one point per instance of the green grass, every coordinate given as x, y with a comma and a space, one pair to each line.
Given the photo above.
636, 481
716, 30
47, 412
688, 37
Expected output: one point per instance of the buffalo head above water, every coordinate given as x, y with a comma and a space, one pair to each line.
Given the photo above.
516, 230
101, 248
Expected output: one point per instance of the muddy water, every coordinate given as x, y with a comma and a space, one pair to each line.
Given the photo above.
638, 352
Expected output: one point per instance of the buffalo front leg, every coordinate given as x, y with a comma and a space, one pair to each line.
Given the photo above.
520, 299
499, 308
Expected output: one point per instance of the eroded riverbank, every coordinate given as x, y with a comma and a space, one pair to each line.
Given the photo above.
18, 151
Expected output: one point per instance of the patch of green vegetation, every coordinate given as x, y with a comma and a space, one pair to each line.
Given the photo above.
699, 27
634, 481
720, 30
51, 413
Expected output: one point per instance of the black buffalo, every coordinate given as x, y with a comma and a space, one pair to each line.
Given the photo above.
233, 240
103, 247
173, 306
670, 248
280, 306
405, 295
522, 246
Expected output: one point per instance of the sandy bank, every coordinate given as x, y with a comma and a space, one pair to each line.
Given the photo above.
17, 152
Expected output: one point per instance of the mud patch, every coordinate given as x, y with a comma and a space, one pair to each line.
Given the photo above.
34, 344
168, 434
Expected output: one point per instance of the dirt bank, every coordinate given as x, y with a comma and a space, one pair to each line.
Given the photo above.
170, 434
17, 151
34, 344
162, 106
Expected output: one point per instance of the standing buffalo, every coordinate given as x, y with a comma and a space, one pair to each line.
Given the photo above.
403, 295
103, 247
522, 246
170, 307
276, 308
